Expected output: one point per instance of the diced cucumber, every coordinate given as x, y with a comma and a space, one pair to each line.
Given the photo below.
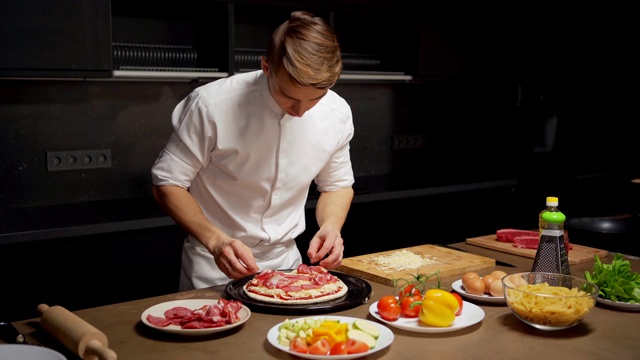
362, 336
367, 327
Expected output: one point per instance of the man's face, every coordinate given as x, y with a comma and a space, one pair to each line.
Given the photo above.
293, 98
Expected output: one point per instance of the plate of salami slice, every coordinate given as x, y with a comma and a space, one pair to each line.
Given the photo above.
196, 316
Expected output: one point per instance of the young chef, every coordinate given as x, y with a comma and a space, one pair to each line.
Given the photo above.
236, 171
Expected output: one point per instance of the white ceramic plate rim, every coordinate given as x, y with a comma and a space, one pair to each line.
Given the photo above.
457, 286
24, 351
385, 339
471, 314
159, 309
619, 304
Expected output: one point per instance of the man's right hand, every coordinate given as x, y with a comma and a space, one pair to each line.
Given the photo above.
234, 258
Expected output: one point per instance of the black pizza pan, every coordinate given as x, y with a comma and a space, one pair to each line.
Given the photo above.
359, 293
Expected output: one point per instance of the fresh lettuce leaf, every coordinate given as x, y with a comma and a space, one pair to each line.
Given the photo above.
615, 281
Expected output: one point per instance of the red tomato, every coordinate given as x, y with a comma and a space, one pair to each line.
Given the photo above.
457, 296
339, 348
299, 345
356, 346
320, 347
407, 309
410, 289
389, 308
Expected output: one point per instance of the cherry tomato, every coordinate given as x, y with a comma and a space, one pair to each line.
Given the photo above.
408, 310
339, 348
299, 345
320, 347
457, 296
389, 308
410, 289
356, 346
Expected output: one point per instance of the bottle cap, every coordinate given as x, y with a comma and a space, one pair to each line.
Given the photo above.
552, 201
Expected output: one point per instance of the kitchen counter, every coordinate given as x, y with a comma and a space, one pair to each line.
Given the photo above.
604, 333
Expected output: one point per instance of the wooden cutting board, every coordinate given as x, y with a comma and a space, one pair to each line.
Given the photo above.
577, 255
449, 262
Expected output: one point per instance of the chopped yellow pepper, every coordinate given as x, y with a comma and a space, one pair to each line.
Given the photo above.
331, 330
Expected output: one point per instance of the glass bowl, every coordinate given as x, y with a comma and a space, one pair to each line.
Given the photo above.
549, 301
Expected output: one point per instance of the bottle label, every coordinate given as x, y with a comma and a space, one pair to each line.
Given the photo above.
552, 232
555, 217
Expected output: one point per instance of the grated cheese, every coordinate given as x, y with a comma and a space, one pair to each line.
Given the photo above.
402, 260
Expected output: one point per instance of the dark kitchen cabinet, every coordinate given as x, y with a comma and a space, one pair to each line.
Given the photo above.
377, 39
162, 40
197, 40
63, 38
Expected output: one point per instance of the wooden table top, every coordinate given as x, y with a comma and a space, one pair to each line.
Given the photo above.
604, 333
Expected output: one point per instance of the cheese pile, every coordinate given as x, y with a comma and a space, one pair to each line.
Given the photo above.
402, 260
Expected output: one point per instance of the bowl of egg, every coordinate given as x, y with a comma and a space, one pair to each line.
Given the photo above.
549, 301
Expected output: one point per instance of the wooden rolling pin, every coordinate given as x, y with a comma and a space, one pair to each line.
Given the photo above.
76, 334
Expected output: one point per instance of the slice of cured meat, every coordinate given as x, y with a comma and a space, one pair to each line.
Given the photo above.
508, 235
218, 314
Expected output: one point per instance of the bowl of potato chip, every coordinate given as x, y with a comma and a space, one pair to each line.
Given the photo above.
549, 301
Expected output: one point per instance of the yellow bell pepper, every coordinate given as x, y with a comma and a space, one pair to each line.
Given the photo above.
331, 330
438, 308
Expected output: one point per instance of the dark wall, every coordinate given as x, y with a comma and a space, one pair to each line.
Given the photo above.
532, 106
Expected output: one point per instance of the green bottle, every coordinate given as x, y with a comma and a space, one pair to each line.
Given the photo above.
552, 255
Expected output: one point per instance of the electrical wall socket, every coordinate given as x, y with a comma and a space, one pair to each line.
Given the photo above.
409, 141
78, 160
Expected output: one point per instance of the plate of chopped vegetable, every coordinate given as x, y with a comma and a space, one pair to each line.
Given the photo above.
330, 337
618, 285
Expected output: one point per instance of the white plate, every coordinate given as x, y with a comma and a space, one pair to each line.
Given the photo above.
31, 352
471, 314
385, 339
457, 286
619, 305
159, 309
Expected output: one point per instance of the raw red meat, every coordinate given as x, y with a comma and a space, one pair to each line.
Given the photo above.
526, 242
508, 235
532, 242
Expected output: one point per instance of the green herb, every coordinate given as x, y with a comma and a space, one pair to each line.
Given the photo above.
616, 281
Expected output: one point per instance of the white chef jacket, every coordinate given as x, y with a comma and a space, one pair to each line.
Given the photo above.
249, 165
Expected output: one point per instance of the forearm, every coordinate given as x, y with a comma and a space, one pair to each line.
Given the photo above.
332, 208
186, 212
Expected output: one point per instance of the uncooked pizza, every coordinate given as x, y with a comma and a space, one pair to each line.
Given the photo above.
304, 285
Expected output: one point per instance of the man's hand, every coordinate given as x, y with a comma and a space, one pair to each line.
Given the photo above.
234, 258
327, 248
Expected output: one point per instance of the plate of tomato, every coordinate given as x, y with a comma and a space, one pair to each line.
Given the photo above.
384, 340
471, 314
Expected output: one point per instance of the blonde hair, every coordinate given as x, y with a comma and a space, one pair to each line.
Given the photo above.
308, 50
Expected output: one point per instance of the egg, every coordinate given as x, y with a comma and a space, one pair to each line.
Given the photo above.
495, 289
467, 276
475, 286
499, 274
488, 280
